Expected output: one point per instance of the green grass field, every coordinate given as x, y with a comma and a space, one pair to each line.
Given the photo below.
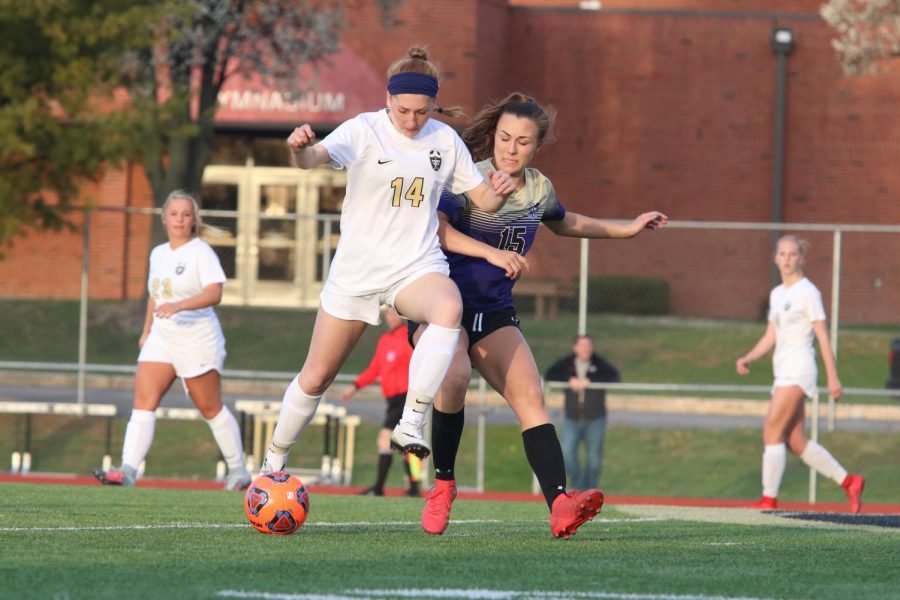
93, 542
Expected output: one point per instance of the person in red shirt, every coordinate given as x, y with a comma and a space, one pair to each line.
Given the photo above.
390, 365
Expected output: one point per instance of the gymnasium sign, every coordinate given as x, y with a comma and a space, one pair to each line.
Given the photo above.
331, 92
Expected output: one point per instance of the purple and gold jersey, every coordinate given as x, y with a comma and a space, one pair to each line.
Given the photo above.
483, 286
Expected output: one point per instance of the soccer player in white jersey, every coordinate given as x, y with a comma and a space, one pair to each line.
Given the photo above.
181, 338
398, 160
796, 314
486, 254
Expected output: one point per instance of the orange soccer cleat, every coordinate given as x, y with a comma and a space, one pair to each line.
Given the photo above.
853, 485
572, 509
765, 503
436, 514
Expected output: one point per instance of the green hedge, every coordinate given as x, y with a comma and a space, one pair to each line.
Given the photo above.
626, 294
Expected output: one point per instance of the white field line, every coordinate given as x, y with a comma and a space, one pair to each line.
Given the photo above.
471, 594
307, 525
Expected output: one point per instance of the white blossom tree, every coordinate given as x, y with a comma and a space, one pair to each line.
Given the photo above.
868, 32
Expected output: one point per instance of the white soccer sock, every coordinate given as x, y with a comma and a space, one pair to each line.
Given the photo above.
773, 463
228, 436
297, 410
138, 437
822, 461
429, 363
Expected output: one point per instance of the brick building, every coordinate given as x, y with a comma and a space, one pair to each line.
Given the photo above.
665, 104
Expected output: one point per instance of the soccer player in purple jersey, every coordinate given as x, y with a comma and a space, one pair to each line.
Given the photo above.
486, 255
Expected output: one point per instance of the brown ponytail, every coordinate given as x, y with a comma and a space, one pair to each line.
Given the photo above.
479, 135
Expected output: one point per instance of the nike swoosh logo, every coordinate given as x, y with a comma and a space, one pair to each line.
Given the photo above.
426, 403
384, 162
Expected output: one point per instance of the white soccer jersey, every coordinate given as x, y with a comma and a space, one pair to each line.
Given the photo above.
389, 220
792, 310
179, 274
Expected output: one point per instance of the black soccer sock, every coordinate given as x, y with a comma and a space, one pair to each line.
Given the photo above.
446, 432
384, 465
546, 459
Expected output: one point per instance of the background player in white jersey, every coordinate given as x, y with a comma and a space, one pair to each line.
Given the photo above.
486, 252
398, 160
795, 314
181, 338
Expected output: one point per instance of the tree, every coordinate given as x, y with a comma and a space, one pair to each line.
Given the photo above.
58, 57
868, 32
64, 62
174, 82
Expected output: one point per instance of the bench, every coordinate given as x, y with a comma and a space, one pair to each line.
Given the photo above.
20, 461
547, 294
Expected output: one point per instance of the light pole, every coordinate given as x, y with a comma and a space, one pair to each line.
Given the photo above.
781, 43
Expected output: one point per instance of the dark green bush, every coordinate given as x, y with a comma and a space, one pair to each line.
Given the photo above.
626, 294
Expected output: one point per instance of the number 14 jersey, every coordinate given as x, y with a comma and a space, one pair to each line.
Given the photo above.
389, 218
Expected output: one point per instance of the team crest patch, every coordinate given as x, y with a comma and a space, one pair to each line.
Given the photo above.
435, 157
180, 268
787, 306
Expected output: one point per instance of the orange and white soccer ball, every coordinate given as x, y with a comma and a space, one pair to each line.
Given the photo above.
276, 503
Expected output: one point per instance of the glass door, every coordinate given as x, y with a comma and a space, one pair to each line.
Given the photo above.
286, 228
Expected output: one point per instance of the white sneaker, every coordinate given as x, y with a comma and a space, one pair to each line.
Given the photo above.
274, 462
237, 481
408, 438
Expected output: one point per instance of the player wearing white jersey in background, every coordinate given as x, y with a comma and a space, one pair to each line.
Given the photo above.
795, 314
398, 160
181, 338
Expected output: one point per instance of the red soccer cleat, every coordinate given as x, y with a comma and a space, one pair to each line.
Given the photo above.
853, 485
764, 503
124, 476
436, 514
572, 509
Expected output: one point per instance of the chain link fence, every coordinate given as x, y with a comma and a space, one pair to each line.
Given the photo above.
671, 306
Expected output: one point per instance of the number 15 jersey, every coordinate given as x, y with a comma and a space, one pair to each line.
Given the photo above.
389, 218
483, 286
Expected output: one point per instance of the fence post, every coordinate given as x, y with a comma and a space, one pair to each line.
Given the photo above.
482, 433
814, 436
82, 316
835, 311
582, 289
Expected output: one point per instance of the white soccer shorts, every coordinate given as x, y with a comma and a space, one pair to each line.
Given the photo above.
367, 308
189, 357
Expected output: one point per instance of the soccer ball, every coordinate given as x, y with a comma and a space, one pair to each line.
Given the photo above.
276, 503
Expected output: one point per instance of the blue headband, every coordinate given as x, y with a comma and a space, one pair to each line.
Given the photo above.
413, 83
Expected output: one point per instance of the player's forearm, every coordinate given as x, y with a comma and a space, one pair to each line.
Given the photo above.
576, 225
456, 241
828, 360
148, 318
310, 157
486, 198
210, 296
762, 347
